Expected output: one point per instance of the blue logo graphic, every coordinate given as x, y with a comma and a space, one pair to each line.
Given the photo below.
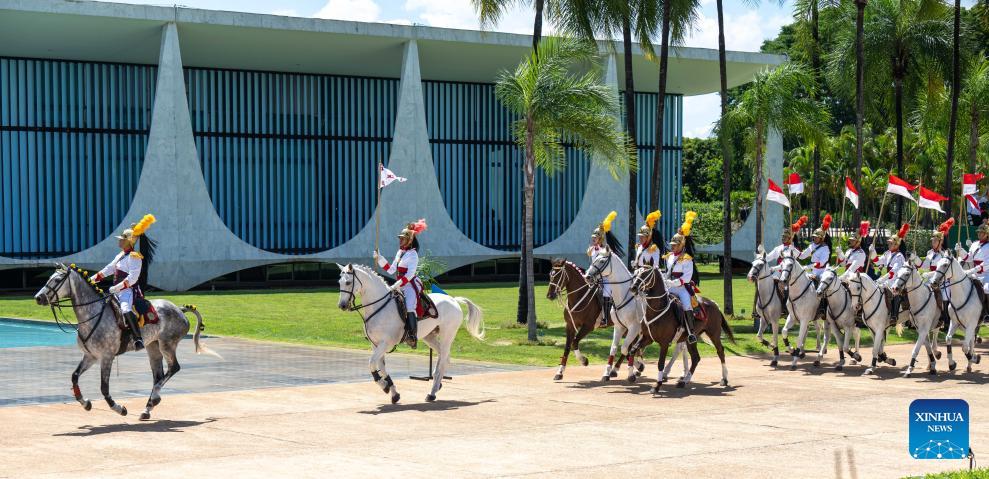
939, 429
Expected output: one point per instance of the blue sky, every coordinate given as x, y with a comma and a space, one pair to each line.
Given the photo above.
745, 27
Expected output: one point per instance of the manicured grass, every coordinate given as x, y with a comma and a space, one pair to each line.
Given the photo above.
981, 473
311, 317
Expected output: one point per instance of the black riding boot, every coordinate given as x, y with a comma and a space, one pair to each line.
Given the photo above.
135, 330
822, 308
894, 313
689, 323
411, 324
607, 306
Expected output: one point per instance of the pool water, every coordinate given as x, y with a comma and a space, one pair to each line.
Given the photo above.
22, 334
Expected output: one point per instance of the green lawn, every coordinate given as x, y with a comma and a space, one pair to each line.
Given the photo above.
981, 473
311, 317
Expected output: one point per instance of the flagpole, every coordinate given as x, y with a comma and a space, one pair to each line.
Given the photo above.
843, 201
916, 214
881, 207
377, 210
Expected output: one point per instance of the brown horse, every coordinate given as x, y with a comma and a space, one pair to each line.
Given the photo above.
581, 311
663, 325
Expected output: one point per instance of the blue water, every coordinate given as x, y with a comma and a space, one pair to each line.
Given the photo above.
17, 334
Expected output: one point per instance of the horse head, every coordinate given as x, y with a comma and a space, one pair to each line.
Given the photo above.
787, 268
941, 271
757, 266
55, 289
644, 279
349, 287
903, 278
601, 267
557, 279
828, 278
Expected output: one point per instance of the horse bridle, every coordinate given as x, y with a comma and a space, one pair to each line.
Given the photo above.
595, 272
758, 297
827, 285
565, 278
861, 302
790, 280
901, 282
60, 303
352, 302
968, 297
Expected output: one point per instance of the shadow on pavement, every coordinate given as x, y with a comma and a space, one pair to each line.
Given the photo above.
164, 425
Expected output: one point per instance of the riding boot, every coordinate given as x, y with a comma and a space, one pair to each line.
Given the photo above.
689, 318
894, 312
607, 306
822, 308
131, 319
411, 324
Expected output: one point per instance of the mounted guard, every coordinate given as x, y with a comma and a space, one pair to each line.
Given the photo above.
978, 255
891, 261
681, 276
649, 250
929, 264
603, 243
130, 275
819, 252
786, 247
406, 282
854, 259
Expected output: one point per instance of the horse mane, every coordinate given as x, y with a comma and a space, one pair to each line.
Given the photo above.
369, 270
571, 263
85, 278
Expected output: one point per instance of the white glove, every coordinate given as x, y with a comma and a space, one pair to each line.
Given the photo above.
379, 259
671, 283
972, 272
872, 251
397, 285
961, 251
841, 256
117, 287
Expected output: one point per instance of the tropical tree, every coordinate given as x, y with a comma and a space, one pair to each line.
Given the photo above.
553, 103
779, 100
725, 165
956, 86
975, 93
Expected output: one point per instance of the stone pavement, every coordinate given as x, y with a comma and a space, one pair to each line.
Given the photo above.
770, 423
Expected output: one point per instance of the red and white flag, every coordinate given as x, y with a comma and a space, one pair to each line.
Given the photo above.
931, 199
851, 193
968, 182
775, 194
900, 187
973, 205
388, 177
795, 184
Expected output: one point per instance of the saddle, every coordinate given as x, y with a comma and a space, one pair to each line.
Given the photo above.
904, 303
425, 304
982, 297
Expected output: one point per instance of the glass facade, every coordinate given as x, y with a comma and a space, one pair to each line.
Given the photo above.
289, 159
72, 142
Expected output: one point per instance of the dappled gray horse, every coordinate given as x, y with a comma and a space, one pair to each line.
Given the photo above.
99, 335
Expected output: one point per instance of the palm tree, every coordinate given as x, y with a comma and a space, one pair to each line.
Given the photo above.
859, 96
956, 82
678, 16
554, 104
725, 166
779, 100
976, 91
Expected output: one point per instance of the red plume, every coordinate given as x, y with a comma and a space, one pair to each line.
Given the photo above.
946, 226
419, 226
903, 230
827, 222
864, 229
795, 227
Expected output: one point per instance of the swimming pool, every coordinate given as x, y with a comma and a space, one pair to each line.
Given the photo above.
23, 334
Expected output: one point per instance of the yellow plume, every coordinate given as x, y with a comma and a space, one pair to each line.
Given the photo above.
143, 225
606, 224
688, 222
653, 218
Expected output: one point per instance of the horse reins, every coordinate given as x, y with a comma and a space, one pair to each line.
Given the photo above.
60, 303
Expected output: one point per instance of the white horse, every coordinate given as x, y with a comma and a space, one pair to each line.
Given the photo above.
768, 303
802, 305
627, 313
923, 311
964, 307
840, 315
868, 299
384, 328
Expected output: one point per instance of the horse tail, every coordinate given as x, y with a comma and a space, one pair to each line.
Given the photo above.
200, 347
475, 317
727, 329
899, 328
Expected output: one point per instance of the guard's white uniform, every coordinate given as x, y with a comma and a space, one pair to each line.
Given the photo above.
854, 261
891, 261
775, 257
648, 255
819, 255
404, 268
929, 265
978, 254
680, 269
596, 252
125, 268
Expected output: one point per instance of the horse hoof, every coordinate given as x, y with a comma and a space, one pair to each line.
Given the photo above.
937, 355
145, 416
802, 354
395, 398
583, 361
891, 361
952, 365
773, 363
606, 378
839, 367
977, 359
123, 410
968, 369
430, 397
817, 364
932, 372
655, 389
681, 384
558, 377
88, 405
631, 378
724, 382
613, 374
867, 372
793, 367
640, 368
858, 357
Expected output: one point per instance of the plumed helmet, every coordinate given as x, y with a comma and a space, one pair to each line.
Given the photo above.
862, 232
894, 241
137, 229
822, 232
645, 231
793, 229
413, 229
983, 228
604, 227
688, 225
943, 229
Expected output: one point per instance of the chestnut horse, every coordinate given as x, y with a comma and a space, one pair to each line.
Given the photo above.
581, 310
663, 325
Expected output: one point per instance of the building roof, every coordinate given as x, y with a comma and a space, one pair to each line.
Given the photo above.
112, 32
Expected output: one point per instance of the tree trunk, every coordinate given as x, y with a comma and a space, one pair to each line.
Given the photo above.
859, 99
725, 167
973, 137
664, 57
630, 127
815, 59
953, 122
898, 99
529, 193
759, 142
522, 312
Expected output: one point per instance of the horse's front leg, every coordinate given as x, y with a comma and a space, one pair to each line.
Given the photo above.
790, 315
441, 345
798, 352
968, 347
84, 364
617, 334
379, 374
566, 353
878, 336
660, 373
949, 338
106, 365
840, 340
695, 358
